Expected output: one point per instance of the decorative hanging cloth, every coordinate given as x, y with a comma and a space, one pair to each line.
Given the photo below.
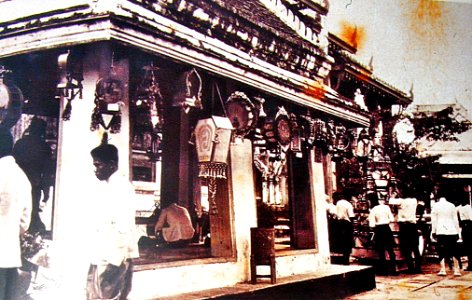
212, 171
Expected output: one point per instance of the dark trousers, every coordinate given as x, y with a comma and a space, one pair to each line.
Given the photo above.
408, 237
383, 239
447, 246
345, 238
110, 281
7, 281
467, 240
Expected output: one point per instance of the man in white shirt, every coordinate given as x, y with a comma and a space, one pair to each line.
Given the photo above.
465, 221
408, 235
175, 225
111, 268
344, 228
445, 230
380, 217
15, 214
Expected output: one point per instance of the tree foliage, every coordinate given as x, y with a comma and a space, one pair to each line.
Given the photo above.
414, 174
439, 126
417, 173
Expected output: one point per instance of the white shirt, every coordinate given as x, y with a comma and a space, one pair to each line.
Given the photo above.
330, 208
344, 210
406, 209
178, 221
15, 211
465, 212
113, 221
444, 219
380, 215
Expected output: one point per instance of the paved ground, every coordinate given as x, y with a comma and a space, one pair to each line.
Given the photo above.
428, 285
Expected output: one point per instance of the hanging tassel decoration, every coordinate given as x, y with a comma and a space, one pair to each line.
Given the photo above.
67, 110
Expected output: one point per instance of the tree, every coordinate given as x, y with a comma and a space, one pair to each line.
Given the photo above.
439, 126
414, 172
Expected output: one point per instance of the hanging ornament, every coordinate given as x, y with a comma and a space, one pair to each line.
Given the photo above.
242, 113
109, 92
146, 109
282, 128
11, 100
71, 63
212, 141
189, 91
320, 132
296, 141
341, 142
364, 145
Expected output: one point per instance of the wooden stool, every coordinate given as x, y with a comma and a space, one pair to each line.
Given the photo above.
263, 252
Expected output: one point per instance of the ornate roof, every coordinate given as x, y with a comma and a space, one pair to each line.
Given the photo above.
262, 43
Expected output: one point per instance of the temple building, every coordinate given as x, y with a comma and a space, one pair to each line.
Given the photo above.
237, 110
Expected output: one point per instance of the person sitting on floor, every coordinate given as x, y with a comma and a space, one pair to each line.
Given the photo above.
174, 225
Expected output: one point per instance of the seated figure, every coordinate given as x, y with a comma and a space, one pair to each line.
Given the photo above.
174, 225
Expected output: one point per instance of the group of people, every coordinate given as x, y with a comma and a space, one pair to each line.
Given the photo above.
25, 179
449, 224
110, 271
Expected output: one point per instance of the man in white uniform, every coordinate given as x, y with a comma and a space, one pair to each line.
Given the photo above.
15, 213
445, 229
175, 225
344, 228
114, 243
408, 235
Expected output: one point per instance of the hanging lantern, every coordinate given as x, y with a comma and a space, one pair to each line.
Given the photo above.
109, 92
146, 113
212, 140
11, 100
364, 145
341, 142
71, 63
320, 133
108, 95
295, 143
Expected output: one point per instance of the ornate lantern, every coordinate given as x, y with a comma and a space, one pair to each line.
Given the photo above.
146, 108
320, 133
364, 145
109, 92
11, 100
212, 139
71, 63
341, 142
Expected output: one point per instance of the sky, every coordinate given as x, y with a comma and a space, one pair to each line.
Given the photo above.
424, 44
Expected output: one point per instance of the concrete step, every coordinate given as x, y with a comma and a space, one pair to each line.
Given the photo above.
333, 282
